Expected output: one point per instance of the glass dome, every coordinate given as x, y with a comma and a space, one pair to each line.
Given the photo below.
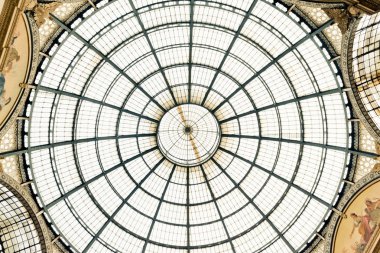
188, 126
188, 135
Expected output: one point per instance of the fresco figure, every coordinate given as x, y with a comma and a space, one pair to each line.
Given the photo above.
373, 211
12, 57
372, 204
3, 100
357, 247
362, 223
365, 224
2, 82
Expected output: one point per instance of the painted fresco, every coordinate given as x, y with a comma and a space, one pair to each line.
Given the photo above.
363, 218
14, 70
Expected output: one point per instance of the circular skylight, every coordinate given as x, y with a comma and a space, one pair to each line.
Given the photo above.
188, 135
184, 126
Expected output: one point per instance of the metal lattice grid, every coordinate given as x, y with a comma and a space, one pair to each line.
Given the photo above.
265, 79
188, 135
365, 76
18, 232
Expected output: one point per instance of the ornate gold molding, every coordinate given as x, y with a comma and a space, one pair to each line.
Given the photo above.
30, 73
8, 19
41, 11
343, 205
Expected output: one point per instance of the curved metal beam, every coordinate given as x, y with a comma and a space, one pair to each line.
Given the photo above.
112, 217
236, 36
105, 58
137, 16
217, 208
74, 190
275, 60
158, 209
307, 143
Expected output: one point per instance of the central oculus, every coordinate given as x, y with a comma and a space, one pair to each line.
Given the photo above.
188, 135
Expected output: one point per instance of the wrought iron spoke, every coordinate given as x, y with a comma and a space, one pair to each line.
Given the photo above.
188, 207
158, 209
293, 100
307, 143
275, 60
236, 36
85, 184
271, 173
106, 59
112, 217
217, 208
69, 94
190, 49
153, 51
265, 216
72, 142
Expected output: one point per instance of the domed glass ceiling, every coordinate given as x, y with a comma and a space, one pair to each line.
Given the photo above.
180, 126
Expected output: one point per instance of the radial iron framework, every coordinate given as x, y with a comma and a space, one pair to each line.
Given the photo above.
263, 75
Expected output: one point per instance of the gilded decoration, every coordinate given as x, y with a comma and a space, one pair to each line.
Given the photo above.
10, 165
319, 16
41, 11
19, 62
15, 70
342, 17
365, 165
353, 6
63, 12
361, 207
354, 233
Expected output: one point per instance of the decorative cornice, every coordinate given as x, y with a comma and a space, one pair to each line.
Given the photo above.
364, 6
316, 4
369, 6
